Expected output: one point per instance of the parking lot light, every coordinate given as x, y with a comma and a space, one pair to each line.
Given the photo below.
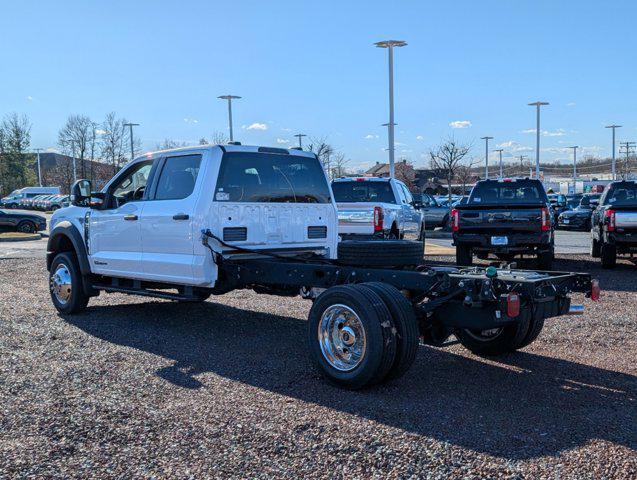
537, 105
229, 98
614, 172
499, 150
486, 156
574, 165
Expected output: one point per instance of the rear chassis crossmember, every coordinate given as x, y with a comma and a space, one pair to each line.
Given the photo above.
442, 296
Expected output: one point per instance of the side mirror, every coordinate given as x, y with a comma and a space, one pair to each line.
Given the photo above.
417, 204
81, 193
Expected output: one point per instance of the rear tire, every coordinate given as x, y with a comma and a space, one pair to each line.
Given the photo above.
27, 227
497, 341
608, 255
407, 332
66, 285
596, 250
380, 253
464, 255
351, 335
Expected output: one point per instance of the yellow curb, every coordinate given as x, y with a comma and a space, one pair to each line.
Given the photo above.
19, 237
433, 249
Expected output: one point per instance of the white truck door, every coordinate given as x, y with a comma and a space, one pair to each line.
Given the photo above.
167, 226
115, 236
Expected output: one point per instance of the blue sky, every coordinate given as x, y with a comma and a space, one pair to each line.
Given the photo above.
311, 67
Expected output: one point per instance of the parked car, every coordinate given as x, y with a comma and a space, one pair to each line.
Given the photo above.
21, 222
376, 207
213, 219
435, 215
579, 218
505, 218
614, 223
14, 199
573, 200
59, 201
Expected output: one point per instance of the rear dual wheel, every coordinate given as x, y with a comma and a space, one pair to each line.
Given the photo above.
361, 335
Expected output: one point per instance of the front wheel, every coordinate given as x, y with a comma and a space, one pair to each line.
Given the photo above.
26, 227
66, 285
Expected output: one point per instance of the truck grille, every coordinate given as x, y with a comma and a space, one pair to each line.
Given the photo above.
235, 234
317, 232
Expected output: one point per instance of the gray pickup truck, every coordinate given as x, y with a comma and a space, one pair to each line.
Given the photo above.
435, 215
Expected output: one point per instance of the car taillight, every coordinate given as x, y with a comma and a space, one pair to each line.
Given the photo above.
455, 220
513, 305
610, 220
378, 219
546, 220
595, 290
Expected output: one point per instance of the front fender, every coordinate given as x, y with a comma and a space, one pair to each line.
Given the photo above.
63, 233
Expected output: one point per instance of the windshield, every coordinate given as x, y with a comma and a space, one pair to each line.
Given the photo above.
272, 178
622, 194
363, 191
527, 192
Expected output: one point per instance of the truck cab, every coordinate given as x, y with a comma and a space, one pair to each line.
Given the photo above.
146, 223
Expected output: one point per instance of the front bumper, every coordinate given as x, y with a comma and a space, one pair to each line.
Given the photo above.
517, 242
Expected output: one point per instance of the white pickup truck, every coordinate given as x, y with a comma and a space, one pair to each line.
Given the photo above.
188, 223
376, 207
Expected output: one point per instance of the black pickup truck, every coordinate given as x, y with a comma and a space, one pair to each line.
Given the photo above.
614, 223
506, 218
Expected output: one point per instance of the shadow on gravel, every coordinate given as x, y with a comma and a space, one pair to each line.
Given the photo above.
521, 406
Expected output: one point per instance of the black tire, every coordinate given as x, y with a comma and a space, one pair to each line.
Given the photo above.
77, 300
535, 328
380, 253
464, 255
26, 226
508, 339
445, 221
608, 255
545, 259
407, 332
376, 322
596, 250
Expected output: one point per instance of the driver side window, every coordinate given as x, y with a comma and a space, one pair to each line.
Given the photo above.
131, 185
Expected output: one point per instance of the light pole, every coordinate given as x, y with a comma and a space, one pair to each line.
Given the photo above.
389, 45
500, 153
614, 175
300, 137
537, 105
230, 98
486, 156
37, 151
132, 144
574, 165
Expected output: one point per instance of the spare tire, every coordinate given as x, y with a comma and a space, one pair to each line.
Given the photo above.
380, 253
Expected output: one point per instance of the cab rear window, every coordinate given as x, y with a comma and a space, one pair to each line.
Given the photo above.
508, 192
364, 191
622, 194
271, 178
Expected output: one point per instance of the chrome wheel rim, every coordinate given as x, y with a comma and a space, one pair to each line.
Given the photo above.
61, 284
342, 337
485, 335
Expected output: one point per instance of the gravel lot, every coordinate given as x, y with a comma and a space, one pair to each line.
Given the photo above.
138, 388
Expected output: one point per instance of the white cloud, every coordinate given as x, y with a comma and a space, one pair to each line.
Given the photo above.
282, 140
257, 126
30, 98
560, 132
420, 137
460, 124
514, 147
99, 131
286, 129
370, 136
191, 120
571, 104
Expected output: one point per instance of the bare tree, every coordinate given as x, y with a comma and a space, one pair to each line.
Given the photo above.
447, 158
324, 151
465, 173
339, 165
217, 138
75, 137
169, 143
114, 141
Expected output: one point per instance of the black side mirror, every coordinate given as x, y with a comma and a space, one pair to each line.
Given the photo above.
81, 193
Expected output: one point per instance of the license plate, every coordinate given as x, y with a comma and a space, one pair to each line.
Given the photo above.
565, 221
499, 241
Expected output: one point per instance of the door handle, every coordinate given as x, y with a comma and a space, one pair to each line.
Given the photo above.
130, 217
181, 216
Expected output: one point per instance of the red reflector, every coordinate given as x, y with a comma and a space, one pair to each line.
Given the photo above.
595, 290
513, 305
455, 220
360, 179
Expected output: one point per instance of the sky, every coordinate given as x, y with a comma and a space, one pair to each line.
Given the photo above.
469, 70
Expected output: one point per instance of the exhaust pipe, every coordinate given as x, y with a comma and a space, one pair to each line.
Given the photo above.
576, 310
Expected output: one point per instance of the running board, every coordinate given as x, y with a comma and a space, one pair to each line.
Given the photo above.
146, 293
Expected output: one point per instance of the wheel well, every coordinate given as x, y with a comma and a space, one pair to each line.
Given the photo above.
64, 244
394, 227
